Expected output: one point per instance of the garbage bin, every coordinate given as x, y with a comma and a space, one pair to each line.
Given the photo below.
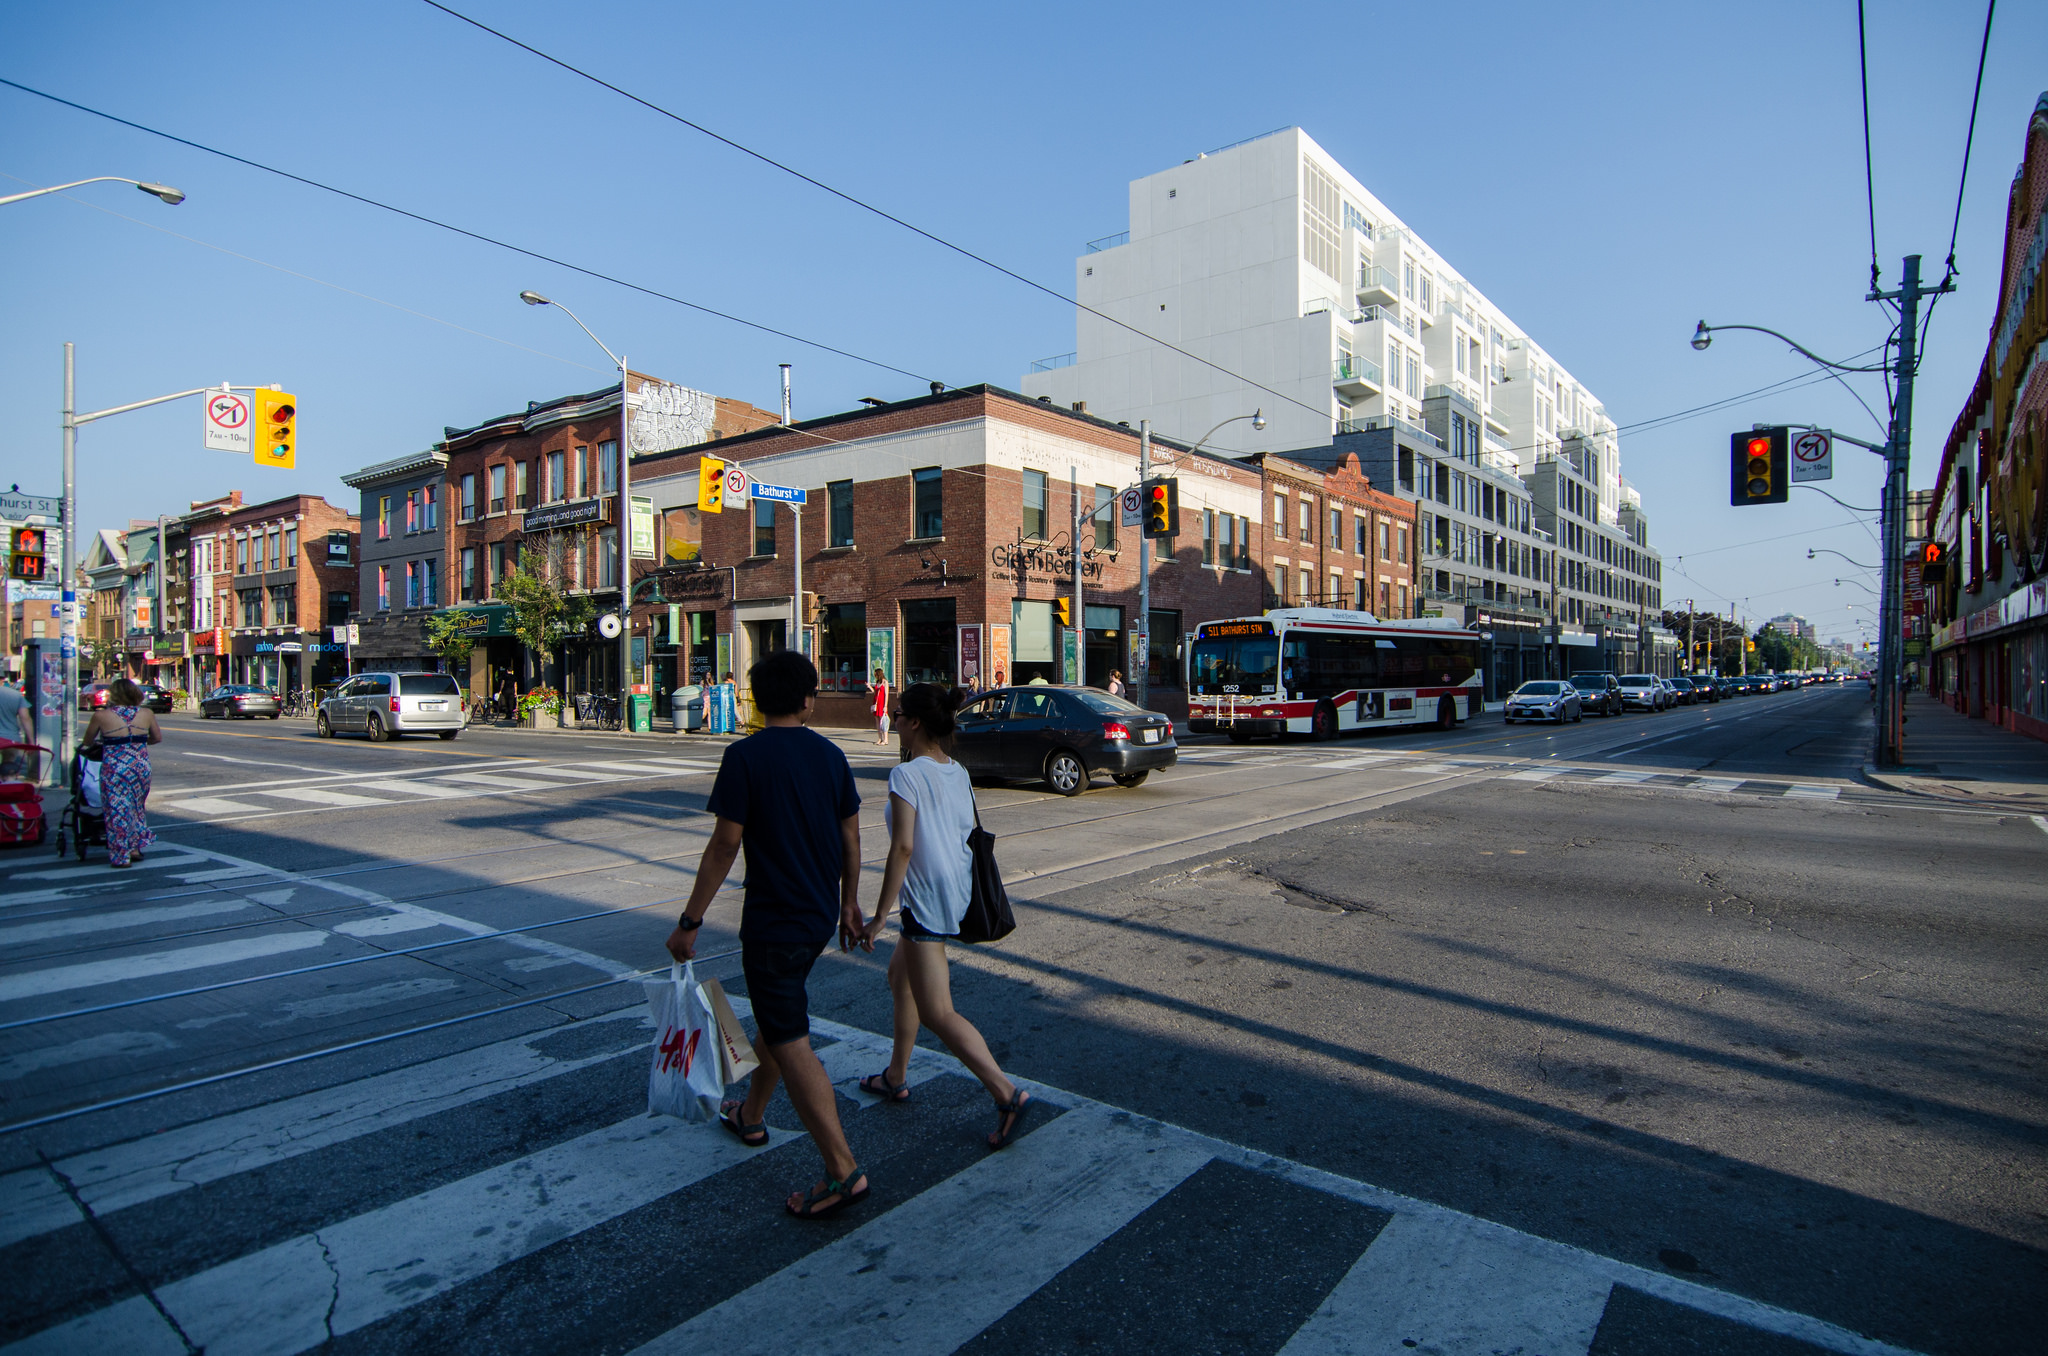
686, 708
640, 713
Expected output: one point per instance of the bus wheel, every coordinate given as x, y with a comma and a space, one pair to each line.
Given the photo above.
1446, 713
1322, 726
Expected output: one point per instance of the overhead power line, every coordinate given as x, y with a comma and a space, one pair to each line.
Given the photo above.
1962, 179
465, 231
1869, 179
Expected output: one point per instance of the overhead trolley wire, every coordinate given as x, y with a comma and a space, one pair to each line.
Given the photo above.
1963, 179
1869, 178
465, 231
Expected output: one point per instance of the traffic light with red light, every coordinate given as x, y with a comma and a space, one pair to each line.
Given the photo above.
277, 432
1162, 507
1757, 470
1933, 562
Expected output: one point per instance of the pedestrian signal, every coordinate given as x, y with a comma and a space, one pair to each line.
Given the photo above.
1933, 562
710, 485
277, 437
1757, 472
25, 560
1162, 507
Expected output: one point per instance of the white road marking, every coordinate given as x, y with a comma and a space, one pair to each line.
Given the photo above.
114, 922
1626, 778
1361, 760
580, 773
376, 996
1809, 791
91, 974
384, 925
1038, 1206
106, 1045
1714, 784
120, 1175
496, 782
237, 872
207, 805
315, 796
102, 869
1438, 1285
255, 762
416, 788
1534, 774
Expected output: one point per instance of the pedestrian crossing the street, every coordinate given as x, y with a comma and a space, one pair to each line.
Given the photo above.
374, 790
516, 1196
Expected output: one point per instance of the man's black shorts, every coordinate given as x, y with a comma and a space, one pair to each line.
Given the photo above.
775, 987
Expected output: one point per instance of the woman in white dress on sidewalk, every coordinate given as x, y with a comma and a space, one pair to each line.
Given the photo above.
930, 872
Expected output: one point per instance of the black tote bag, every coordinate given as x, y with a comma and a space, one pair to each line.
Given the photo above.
988, 905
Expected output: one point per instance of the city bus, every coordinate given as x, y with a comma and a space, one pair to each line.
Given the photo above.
1320, 671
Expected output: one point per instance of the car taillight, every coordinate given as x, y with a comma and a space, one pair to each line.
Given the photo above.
1115, 729
394, 706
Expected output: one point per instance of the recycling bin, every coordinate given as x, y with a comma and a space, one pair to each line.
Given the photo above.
686, 708
640, 713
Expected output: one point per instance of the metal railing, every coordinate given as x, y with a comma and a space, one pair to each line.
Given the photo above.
1357, 369
1057, 361
1372, 278
1109, 242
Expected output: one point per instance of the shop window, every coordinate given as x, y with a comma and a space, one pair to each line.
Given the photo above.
1166, 650
1034, 505
764, 527
930, 641
843, 647
839, 495
1034, 644
928, 502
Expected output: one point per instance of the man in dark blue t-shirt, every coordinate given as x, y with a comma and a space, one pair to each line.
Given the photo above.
786, 796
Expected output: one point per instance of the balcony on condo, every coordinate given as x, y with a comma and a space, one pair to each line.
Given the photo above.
1357, 377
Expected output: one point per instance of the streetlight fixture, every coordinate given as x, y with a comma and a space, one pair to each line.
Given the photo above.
1258, 418
1830, 551
625, 500
164, 191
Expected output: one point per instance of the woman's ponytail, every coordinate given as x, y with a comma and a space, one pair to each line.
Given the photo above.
932, 707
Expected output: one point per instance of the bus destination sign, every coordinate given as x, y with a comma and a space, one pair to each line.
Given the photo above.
1237, 628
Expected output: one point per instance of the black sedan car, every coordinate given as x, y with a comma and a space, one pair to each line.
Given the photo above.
1063, 735
240, 700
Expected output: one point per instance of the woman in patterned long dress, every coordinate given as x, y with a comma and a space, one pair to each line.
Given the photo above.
124, 730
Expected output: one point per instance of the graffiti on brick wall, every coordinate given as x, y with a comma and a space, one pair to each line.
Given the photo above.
666, 417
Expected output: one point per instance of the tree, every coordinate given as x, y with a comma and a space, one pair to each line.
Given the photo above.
543, 613
448, 636
108, 657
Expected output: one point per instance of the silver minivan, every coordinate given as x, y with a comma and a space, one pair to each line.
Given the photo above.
385, 705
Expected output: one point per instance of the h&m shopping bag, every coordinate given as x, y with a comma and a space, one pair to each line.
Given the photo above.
736, 1058
685, 1079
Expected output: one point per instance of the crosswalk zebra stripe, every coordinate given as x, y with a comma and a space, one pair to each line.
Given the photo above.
1534, 774
1625, 778
91, 974
1415, 1286
115, 922
417, 786
208, 805
313, 795
104, 871
1030, 1212
1810, 791
1714, 784
496, 781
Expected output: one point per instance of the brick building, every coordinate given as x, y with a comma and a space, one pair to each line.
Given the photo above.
938, 545
273, 589
402, 567
546, 478
1334, 540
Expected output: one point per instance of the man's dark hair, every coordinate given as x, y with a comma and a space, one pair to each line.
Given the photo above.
782, 682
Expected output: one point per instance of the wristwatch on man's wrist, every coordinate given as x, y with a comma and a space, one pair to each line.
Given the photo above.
685, 924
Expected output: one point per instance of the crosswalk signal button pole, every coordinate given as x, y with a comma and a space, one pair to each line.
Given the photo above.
1757, 469
277, 439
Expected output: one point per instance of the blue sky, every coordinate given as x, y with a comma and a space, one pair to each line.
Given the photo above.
1609, 174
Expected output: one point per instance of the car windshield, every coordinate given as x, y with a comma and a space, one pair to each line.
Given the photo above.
1106, 703
1638, 680
428, 685
1539, 689
1235, 664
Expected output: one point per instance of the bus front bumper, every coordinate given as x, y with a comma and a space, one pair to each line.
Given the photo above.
1251, 725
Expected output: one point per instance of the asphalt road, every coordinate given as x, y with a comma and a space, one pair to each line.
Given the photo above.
1742, 1053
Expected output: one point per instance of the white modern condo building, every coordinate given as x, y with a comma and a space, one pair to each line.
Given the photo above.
1275, 268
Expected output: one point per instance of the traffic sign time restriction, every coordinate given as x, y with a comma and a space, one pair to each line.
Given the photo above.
228, 425
1813, 455
736, 481
1131, 507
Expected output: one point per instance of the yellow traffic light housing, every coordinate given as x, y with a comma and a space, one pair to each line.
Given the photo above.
1162, 507
277, 432
710, 485
1065, 607
1757, 467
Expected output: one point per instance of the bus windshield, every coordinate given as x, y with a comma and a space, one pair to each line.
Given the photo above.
1246, 664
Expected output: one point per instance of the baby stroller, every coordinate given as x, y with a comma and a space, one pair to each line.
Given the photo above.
22, 821
84, 821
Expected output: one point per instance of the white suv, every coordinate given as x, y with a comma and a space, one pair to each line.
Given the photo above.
385, 705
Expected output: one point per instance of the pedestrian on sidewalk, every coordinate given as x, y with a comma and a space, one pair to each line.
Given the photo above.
123, 730
17, 725
930, 872
1116, 683
786, 796
881, 688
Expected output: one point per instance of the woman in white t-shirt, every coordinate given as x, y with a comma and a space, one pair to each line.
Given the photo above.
930, 871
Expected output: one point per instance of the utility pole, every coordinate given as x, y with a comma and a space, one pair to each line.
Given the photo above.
1079, 616
1141, 662
1890, 747
1692, 662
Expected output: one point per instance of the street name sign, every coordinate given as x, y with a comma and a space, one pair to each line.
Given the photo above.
228, 426
20, 507
1813, 456
781, 494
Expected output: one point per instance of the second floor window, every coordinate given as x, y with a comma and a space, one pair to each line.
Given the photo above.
1308, 520
583, 473
383, 517
497, 474
928, 515
558, 478
1337, 530
840, 495
412, 583
252, 607
1208, 536
1105, 518
430, 507
608, 558
467, 512
430, 582
764, 527
608, 467
522, 500
1034, 505
468, 583
284, 606
337, 608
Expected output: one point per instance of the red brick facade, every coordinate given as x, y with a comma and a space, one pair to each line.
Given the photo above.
273, 589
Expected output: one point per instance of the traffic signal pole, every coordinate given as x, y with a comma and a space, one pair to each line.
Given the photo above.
1890, 744
1141, 662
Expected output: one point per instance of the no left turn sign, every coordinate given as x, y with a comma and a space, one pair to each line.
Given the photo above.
1813, 456
1131, 507
735, 485
227, 423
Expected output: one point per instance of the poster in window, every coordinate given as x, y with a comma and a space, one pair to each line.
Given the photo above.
970, 656
724, 656
882, 653
1070, 656
998, 655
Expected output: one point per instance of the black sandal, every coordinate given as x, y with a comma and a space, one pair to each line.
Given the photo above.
828, 1199
878, 1085
1006, 1131
753, 1136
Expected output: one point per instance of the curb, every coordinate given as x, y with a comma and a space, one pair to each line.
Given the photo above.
1893, 782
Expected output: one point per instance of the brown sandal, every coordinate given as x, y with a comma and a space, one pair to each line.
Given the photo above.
878, 1085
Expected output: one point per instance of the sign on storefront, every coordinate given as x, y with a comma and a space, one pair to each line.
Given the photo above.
882, 652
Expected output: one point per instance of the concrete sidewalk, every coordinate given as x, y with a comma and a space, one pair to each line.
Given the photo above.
1972, 762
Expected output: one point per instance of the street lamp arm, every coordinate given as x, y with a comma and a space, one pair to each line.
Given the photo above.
535, 299
140, 405
1258, 418
1700, 340
164, 191
1812, 551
